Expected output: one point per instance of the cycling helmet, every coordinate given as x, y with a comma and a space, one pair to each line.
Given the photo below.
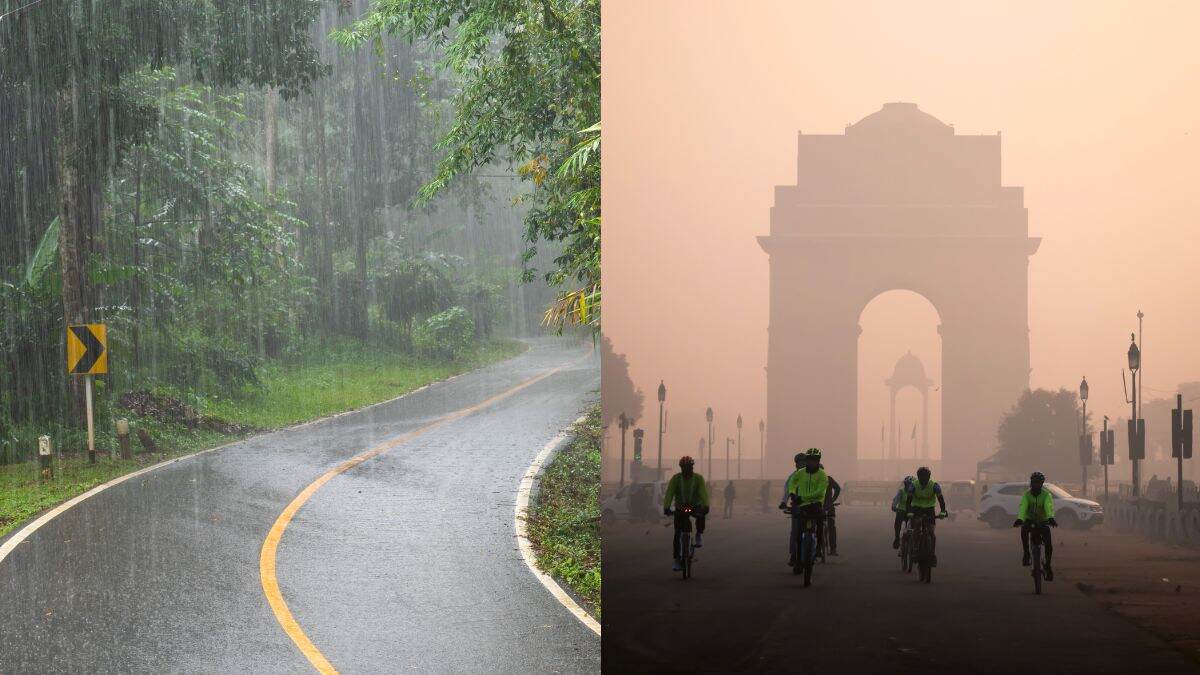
813, 453
924, 470
1037, 477
908, 480
799, 457
686, 460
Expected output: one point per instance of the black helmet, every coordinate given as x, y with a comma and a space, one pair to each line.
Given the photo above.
686, 460
1037, 477
924, 470
799, 457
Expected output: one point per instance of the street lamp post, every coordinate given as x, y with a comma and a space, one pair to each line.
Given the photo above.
739, 426
762, 461
624, 423
1085, 445
728, 442
708, 415
662, 398
1135, 362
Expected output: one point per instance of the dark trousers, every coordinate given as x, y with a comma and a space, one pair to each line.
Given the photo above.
1047, 545
798, 528
728, 508
831, 529
682, 525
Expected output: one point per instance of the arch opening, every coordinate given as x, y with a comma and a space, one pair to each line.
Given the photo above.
899, 407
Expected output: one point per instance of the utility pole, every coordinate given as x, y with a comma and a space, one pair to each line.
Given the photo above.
739, 427
1085, 439
623, 422
762, 444
662, 398
708, 415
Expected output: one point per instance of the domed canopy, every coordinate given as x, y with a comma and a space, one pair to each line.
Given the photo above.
909, 372
900, 119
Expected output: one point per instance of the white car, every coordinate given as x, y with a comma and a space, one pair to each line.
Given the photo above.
618, 505
998, 506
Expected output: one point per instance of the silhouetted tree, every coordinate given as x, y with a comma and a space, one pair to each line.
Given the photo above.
617, 391
1040, 433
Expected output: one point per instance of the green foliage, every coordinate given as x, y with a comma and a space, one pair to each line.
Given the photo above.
564, 521
446, 335
528, 79
342, 375
43, 257
1041, 433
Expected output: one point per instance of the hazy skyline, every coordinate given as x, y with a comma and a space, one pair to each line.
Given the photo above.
1094, 126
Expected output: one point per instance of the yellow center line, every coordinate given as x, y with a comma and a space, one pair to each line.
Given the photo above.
266, 558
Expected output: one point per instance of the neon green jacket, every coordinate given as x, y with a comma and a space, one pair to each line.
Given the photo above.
686, 491
809, 488
925, 496
1036, 508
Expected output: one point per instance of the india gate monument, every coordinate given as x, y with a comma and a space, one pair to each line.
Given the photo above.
897, 202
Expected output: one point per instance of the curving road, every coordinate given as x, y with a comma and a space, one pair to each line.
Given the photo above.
744, 611
405, 562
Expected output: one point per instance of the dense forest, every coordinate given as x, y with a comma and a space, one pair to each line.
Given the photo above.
231, 186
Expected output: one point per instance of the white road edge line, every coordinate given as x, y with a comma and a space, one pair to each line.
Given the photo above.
24, 533
522, 512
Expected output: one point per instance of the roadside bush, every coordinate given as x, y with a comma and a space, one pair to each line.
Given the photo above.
446, 335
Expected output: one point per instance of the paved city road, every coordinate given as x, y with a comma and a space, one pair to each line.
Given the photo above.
407, 562
744, 610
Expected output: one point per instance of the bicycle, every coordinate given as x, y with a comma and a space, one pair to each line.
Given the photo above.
687, 547
1035, 553
806, 547
923, 551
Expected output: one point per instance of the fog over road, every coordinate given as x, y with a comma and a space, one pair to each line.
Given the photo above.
407, 561
744, 611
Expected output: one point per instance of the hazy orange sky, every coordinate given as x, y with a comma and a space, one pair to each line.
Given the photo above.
1097, 104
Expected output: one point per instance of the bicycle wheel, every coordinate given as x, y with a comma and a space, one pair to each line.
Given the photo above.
685, 554
905, 559
810, 543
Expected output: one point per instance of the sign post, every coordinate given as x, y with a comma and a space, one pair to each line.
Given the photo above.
87, 355
1181, 442
1107, 451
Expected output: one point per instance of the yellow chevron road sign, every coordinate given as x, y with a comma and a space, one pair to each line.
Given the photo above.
87, 349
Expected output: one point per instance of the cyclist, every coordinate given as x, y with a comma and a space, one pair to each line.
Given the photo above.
898, 504
1036, 511
921, 496
686, 488
835, 491
807, 488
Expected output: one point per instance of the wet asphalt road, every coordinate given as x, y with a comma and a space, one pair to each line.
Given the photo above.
407, 562
744, 611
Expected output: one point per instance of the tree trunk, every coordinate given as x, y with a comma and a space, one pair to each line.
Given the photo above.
269, 128
135, 298
325, 280
76, 213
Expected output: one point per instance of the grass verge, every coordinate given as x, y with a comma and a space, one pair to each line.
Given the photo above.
564, 521
291, 393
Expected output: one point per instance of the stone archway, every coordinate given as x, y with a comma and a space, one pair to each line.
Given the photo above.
899, 201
